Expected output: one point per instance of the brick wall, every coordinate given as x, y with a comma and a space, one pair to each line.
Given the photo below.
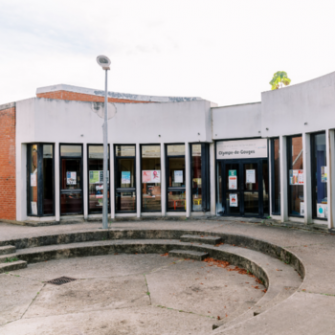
66, 95
7, 164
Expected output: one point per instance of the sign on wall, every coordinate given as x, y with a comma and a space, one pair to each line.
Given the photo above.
257, 148
151, 176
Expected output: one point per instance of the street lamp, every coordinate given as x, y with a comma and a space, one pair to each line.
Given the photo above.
105, 62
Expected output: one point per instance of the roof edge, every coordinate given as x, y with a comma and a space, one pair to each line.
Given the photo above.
7, 105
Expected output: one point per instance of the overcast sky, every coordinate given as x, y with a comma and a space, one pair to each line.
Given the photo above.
224, 51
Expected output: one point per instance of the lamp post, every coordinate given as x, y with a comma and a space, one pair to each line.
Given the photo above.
105, 62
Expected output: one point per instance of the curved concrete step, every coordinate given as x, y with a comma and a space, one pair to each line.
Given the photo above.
7, 249
8, 257
197, 255
201, 239
11, 266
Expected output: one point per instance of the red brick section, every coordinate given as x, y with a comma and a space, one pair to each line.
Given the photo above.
66, 95
7, 164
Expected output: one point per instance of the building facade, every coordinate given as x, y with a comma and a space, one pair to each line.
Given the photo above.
170, 156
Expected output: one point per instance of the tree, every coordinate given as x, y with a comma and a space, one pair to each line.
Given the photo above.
279, 78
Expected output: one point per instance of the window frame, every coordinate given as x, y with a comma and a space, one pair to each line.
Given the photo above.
274, 210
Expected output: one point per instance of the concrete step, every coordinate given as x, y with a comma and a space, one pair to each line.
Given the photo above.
11, 266
5, 258
7, 249
201, 239
197, 255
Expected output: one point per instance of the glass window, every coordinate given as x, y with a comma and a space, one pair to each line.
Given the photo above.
219, 209
125, 180
125, 150
95, 178
319, 176
40, 180
275, 176
176, 178
151, 178
196, 178
70, 150
296, 205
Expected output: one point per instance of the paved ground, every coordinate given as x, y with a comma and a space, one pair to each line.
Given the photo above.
122, 294
311, 310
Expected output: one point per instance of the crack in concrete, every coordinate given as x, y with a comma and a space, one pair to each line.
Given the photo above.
317, 293
148, 291
308, 245
33, 300
187, 312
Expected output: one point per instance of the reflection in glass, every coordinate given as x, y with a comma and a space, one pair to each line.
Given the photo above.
177, 200
276, 176
125, 173
48, 191
33, 181
95, 181
70, 150
196, 178
219, 189
251, 203
125, 150
266, 209
296, 206
176, 172
151, 178
320, 176
71, 202
125, 201
176, 150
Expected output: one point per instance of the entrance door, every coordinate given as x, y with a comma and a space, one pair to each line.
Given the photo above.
71, 193
245, 187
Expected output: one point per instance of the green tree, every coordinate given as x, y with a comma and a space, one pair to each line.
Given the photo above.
279, 79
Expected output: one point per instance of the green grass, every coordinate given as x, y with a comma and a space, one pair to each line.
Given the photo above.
11, 259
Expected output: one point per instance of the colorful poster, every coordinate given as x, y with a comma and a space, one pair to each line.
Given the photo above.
233, 202
322, 210
151, 176
232, 179
250, 176
97, 177
178, 176
125, 177
33, 205
302, 208
324, 174
33, 181
71, 178
296, 177
99, 191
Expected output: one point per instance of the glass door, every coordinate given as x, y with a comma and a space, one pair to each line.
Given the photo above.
251, 189
233, 190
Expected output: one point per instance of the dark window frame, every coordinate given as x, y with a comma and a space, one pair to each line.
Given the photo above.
88, 179
81, 179
289, 167
119, 189
160, 157
313, 171
274, 210
205, 176
40, 188
179, 188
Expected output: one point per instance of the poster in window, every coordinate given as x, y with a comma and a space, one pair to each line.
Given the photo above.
125, 177
151, 176
178, 176
250, 176
71, 178
99, 191
232, 179
33, 181
302, 208
300, 177
33, 207
97, 176
296, 177
324, 174
322, 210
233, 201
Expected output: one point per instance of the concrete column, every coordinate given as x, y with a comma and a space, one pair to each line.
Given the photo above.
283, 178
270, 175
57, 181
112, 180
163, 180
85, 181
21, 182
138, 180
188, 179
330, 147
306, 144
212, 176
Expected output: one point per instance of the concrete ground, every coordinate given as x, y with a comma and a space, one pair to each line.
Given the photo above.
81, 307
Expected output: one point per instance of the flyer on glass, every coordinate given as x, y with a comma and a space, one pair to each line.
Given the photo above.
232, 180
125, 177
71, 178
178, 176
250, 176
151, 176
233, 202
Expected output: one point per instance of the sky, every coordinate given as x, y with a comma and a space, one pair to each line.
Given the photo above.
221, 50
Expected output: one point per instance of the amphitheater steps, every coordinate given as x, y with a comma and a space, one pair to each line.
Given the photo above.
201, 239
189, 254
11, 266
7, 249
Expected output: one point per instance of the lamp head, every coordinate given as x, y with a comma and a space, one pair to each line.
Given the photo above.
104, 62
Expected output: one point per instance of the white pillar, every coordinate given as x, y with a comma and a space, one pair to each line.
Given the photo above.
330, 147
138, 180
112, 180
306, 145
163, 180
21, 182
85, 181
283, 178
270, 175
212, 177
57, 181
188, 186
